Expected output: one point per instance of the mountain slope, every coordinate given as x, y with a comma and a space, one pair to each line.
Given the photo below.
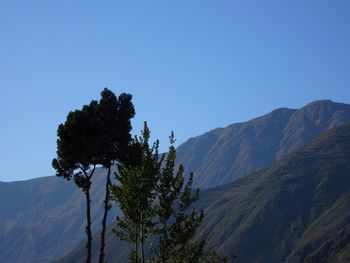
225, 154
286, 212
334, 250
42, 219
296, 210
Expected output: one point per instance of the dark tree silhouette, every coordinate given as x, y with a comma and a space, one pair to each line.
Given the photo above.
98, 134
115, 126
78, 155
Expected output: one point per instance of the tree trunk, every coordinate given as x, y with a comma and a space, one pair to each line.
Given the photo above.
88, 227
142, 241
165, 254
104, 220
137, 250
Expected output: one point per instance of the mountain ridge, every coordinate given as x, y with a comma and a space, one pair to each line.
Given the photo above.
293, 211
43, 218
225, 154
285, 212
26, 222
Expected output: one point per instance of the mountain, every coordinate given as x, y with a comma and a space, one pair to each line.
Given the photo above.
44, 218
289, 211
225, 154
297, 210
116, 250
334, 250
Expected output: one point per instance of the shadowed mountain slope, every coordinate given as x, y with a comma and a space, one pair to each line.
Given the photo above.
286, 212
225, 154
334, 250
296, 210
44, 218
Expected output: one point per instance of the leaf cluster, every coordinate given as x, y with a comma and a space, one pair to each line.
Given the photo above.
135, 191
97, 134
156, 202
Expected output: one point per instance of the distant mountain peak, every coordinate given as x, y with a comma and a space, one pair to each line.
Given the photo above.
45, 217
321, 101
324, 104
224, 154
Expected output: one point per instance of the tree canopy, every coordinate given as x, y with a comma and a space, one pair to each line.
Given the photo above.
157, 203
98, 134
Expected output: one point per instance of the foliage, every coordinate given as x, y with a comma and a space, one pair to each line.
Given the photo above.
115, 126
98, 134
156, 202
136, 193
169, 189
213, 257
77, 153
176, 244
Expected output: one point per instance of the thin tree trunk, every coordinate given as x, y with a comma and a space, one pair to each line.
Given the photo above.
137, 250
104, 220
88, 227
142, 249
88, 231
142, 241
165, 242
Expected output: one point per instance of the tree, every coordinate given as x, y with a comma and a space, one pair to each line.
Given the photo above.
178, 220
98, 134
156, 202
115, 126
169, 190
136, 193
78, 155
175, 200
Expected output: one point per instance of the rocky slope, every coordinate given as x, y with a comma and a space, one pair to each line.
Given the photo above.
225, 154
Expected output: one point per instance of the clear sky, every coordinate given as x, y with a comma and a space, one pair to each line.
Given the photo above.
191, 65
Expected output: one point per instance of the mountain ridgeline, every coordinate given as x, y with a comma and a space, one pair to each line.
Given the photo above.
42, 219
297, 210
289, 212
225, 154
294, 209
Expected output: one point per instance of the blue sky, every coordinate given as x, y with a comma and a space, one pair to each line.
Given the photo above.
191, 65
